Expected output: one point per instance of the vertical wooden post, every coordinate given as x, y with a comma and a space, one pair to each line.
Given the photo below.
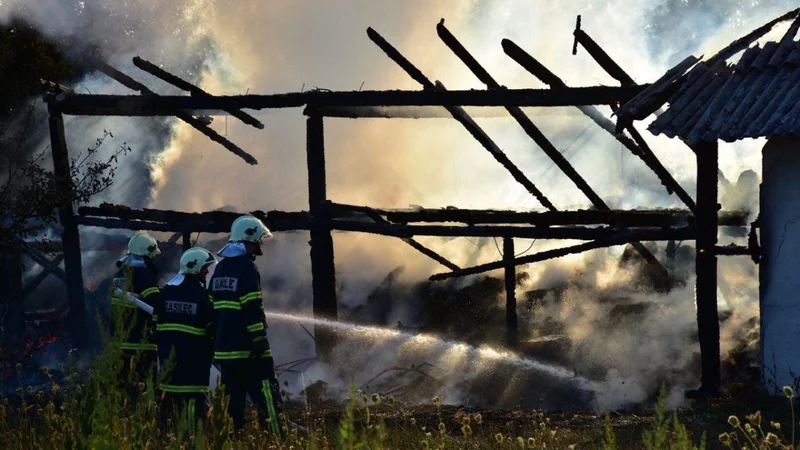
11, 293
322, 260
70, 237
512, 331
706, 265
187, 240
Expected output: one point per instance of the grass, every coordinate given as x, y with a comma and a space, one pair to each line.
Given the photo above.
91, 409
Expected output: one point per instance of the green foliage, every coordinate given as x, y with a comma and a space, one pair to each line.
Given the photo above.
29, 191
93, 411
610, 442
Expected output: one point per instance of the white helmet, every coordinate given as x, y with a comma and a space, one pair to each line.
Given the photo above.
194, 259
248, 229
142, 244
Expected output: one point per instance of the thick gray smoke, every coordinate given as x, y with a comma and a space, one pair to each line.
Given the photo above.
287, 46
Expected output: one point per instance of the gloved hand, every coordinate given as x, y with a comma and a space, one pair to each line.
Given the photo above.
259, 348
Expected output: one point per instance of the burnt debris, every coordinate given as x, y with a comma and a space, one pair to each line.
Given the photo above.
600, 227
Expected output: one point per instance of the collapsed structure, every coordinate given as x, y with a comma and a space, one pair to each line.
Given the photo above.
690, 117
754, 97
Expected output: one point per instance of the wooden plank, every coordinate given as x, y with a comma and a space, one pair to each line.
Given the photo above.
70, 236
638, 146
732, 250
512, 328
273, 219
323, 271
706, 266
522, 119
197, 124
431, 254
599, 55
536, 135
184, 226
180, 83
39, 279
566, 232
404, 112
461, 116
225, 218
529, 259
45, 263
165, 105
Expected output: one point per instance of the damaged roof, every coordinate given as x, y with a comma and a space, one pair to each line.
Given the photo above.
714, 99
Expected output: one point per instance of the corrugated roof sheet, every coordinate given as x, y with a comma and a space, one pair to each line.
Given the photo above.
757, 96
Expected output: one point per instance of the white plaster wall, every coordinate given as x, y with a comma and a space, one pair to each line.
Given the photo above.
780, 264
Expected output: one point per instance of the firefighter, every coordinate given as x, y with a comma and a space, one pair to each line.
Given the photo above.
241, 348
132, 326
184, 333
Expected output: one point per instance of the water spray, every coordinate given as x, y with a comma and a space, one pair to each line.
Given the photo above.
483, 352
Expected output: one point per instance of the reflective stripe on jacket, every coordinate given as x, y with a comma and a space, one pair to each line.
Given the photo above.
129, 322
185, 336
235, 290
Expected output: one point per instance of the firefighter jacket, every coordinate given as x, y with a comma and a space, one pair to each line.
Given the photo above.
130, 323
239, 322
183, 318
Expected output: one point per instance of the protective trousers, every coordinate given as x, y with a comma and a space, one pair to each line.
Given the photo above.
256, 378
138, 367
182, 406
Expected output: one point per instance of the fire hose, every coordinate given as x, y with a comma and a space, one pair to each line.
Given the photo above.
134, 299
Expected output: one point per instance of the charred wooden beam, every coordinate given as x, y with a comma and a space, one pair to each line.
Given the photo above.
599, 55
174, 238
537, 136
197, 124
402, 112
45, 263
461, 116
166, 105
137, 225
180, 83
70, 237
638, 146
733, 250
706, 265
187, 240
512, 330
182, 226
536, 257
524, 121
616, 218
323, 271
39, 279
12, 295
431, 254
272, 219
577, 233
338, 210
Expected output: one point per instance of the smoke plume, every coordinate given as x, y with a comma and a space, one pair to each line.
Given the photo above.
286, 46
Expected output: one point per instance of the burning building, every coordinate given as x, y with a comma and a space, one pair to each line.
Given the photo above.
660, 269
